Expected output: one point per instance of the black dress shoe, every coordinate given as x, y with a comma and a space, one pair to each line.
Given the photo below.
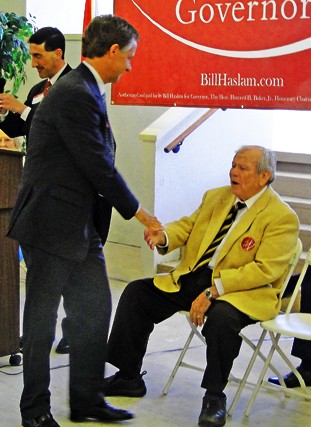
213, 412
62, 347
291, 381
102, 412
45, 420
116, 385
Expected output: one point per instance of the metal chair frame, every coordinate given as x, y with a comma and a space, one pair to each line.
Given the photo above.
194, 331
289, 324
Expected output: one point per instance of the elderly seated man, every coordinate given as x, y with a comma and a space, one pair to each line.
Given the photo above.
238, 245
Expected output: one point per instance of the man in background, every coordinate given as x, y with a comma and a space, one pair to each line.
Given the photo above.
47, 50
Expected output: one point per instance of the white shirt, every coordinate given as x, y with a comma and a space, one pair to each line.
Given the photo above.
27, 110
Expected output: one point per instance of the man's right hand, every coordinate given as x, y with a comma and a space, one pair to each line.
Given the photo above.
148, 220
9, 102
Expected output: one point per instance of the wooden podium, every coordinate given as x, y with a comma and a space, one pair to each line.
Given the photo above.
11, 164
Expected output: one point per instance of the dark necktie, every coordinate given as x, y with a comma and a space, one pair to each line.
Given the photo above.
47, 86
208, 254
109, 138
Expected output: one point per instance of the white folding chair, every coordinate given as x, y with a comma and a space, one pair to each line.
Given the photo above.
289, 324
180, 361
194, 331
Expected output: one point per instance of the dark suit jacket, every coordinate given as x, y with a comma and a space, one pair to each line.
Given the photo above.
13, 125
68, 164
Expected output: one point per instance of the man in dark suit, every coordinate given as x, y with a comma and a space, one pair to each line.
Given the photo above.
61, 220
47, 49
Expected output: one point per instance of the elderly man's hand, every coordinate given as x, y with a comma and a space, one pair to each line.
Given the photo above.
154, 238
198, 309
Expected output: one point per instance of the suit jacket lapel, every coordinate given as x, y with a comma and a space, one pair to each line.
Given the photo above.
92, 83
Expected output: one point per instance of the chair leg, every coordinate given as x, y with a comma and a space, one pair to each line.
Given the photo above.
178, 363
195, 329
260, 379
247, 372
288, 392
260, 354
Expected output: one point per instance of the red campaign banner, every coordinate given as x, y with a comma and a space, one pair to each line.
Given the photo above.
227, 54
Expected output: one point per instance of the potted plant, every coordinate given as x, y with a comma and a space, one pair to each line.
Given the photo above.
14, 51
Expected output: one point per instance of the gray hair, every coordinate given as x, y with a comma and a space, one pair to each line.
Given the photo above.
267, 161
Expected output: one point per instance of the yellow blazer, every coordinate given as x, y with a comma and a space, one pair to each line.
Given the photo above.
253, 260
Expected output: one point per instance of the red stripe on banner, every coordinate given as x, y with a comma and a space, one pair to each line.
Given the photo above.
87, 14
90, 10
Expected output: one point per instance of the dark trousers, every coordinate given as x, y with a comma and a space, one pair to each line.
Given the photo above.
302, 348
142, 305
87, 302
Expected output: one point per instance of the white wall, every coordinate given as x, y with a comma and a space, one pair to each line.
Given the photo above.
17, 6
173, 184
204, 159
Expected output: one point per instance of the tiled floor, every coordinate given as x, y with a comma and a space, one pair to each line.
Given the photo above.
180, 408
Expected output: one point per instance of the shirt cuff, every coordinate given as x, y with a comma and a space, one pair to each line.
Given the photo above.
138, 209
25, 113
166, 242
219, 286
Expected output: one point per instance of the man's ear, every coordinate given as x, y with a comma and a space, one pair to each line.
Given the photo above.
58, 52
265, 176
114, 48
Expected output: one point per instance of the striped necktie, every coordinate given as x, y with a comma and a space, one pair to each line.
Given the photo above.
208, 254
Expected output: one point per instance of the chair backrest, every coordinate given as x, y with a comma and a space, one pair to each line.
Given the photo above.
299, 282
292, 265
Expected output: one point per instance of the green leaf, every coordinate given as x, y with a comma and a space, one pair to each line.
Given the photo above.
14, 51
